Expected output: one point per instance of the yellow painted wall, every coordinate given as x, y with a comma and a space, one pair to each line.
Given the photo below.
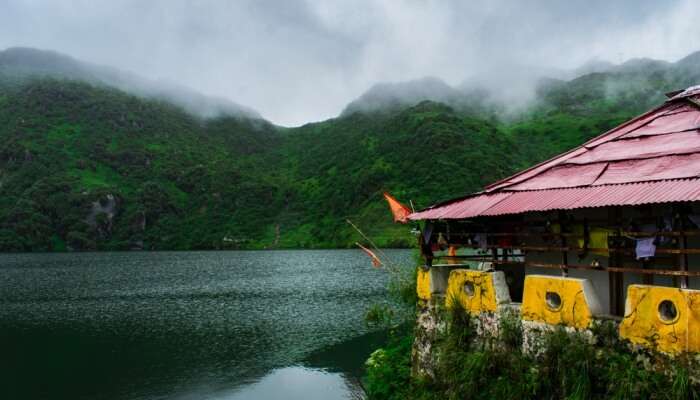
484, 295
643, 324
574, 309
423, 284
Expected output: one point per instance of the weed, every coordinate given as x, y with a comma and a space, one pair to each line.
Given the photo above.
570, 365
379, 315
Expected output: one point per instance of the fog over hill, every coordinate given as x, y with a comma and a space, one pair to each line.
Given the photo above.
298, 61
20, 63
522, 87
505, 92
84, 165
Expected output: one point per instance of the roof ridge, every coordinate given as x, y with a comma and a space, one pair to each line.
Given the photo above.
657, 134
600, 185
584, 146
650, 156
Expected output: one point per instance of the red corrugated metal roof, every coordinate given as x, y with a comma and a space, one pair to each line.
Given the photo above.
504, 203
654, 158
465, 208
598, 196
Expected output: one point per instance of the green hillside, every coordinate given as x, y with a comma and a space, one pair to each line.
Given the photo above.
84, 166
70, 152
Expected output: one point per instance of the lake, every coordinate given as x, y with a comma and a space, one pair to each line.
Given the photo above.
188, 325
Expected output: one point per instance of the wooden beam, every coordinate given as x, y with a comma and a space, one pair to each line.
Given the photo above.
663, 272
537, 234
570, 248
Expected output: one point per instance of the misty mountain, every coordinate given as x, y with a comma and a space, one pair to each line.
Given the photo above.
590, 67
641, 65
520, 88
87, 166
402, 94
19, 64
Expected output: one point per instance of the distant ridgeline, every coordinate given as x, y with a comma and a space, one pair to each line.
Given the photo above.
95, 159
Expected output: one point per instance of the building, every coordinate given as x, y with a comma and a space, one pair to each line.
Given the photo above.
613, 225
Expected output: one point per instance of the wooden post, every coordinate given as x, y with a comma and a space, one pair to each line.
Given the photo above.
616, 283
647, 279
683, 257
564, 253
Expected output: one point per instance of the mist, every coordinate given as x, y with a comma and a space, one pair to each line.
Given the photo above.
299, 61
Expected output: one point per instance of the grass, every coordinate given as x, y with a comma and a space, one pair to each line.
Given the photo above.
568, 366
63, 132
99, 177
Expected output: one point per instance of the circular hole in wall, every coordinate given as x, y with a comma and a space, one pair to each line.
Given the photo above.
667, 311
553, 301
469, 289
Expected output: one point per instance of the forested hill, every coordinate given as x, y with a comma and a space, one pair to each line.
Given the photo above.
85, 165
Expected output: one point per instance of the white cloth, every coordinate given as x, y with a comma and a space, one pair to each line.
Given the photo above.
645, 248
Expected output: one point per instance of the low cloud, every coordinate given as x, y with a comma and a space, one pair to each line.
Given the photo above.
298, 61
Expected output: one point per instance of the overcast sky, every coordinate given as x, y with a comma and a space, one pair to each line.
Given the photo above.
297, 61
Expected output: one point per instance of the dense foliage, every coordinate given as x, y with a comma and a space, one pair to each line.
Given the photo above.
84, 166
68, 150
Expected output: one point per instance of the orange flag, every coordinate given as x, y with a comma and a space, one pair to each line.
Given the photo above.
399, 210
376, 262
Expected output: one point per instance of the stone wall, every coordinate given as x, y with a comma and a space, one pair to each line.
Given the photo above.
657, 319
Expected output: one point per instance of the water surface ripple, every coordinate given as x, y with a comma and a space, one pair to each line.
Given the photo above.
184, 324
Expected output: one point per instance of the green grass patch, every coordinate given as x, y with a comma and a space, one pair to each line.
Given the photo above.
100, 177
63, 132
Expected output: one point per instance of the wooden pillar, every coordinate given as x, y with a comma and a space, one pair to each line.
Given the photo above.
564, 253
616, 284
647, 279
425, 250
683, 257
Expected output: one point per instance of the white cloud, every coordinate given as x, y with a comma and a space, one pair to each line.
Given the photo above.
297, 61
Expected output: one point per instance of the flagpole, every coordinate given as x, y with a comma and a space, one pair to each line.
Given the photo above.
389, 263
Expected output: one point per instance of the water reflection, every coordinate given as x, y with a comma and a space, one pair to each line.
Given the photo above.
297, 383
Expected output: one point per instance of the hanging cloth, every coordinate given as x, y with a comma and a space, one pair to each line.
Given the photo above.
481, 240
442, 242
555, 228
505, 241
645, 248
599, 241
579, 231
668, 227
427, 231
452, 252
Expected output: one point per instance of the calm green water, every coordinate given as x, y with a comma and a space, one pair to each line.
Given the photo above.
187, 325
